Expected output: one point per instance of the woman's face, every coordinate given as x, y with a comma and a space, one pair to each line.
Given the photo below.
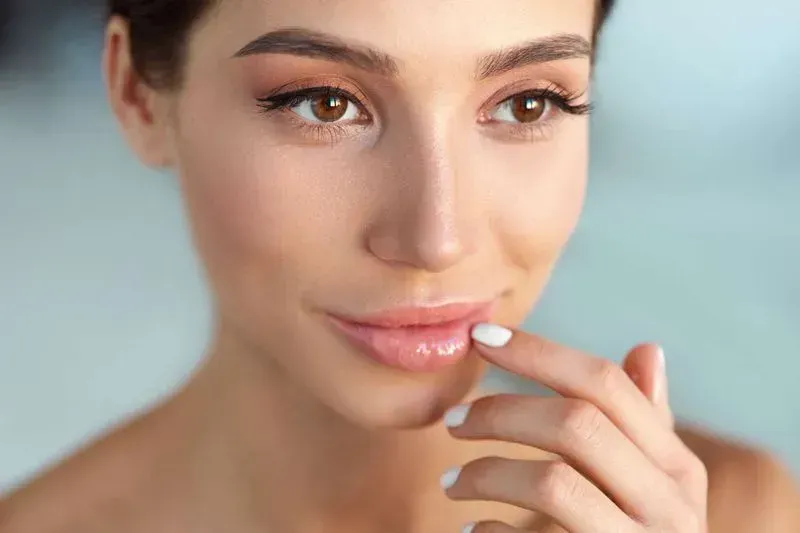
440, 156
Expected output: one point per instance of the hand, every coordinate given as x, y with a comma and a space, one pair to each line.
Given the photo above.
624, 470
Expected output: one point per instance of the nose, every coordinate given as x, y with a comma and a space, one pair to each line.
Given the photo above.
427, 221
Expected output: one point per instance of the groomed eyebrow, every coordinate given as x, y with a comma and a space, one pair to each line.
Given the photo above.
318, 45
544, 50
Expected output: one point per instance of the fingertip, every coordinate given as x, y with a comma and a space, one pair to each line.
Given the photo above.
449, 478
456, 416
662, 361
491, 335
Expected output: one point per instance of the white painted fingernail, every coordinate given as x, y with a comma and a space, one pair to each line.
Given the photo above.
491, 335
450, 477
456, 416
468, 528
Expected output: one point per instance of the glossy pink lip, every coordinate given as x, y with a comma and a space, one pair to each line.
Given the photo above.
418, 339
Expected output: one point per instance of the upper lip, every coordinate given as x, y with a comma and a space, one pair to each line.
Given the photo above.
419, 316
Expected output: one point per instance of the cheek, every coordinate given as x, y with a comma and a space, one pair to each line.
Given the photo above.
237, 203
548, 210
263, 215
539, 195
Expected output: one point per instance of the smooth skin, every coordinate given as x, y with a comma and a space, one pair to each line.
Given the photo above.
427, 190
620, 465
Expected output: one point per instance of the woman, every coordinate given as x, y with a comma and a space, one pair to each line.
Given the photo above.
378, 191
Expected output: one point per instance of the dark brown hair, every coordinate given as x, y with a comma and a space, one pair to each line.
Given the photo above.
159, 31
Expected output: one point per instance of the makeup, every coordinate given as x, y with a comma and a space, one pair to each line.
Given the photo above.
417, 339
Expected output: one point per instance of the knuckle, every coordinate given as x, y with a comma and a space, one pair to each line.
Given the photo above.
608, 376
690, 470
581, 424
558, 485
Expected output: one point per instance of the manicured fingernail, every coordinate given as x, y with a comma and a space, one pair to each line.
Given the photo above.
450, 477
491, 335
456, 416
468, 528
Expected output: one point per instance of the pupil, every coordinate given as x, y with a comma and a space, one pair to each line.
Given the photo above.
529, 108
330, 108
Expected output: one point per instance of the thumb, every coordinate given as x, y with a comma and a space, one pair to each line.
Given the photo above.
645, 365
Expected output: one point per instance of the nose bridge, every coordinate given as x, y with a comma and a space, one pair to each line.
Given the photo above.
428, 215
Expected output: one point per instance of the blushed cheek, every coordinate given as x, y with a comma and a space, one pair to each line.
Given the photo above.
234, 180
543, 206
253, 224
267, 218
233, 211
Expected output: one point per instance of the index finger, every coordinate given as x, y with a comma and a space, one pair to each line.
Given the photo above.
575, 374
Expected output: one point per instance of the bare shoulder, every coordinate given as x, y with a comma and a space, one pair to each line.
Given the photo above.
87, 492
62, 499
750, 490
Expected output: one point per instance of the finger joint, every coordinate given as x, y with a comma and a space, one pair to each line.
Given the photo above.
558, 485
581, 425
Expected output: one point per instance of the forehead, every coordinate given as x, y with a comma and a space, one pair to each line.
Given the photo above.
418, 32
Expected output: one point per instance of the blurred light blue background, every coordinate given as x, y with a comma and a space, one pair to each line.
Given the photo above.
691, 235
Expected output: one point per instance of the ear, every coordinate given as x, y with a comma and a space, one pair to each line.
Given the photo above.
141, 110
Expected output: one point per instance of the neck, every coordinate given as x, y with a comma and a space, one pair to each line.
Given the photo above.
294, 464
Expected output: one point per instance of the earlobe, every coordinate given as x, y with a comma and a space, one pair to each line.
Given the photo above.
140, 109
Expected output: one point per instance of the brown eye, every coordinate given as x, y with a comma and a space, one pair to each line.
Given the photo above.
329, 107
523, 108
528, 108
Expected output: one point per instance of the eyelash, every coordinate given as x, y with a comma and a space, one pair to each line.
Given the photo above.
563, 100
323, 131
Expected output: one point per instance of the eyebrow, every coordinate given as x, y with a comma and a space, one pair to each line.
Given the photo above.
318, 45
544, 50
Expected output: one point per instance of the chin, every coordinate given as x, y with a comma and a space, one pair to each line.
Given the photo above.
314, 368
388, 399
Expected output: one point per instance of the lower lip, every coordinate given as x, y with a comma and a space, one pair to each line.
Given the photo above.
415, 348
